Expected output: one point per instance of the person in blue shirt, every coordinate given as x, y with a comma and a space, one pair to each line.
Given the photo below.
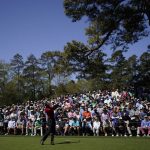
145, 126
76, 125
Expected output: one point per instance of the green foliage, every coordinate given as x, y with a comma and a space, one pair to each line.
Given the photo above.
144, 70
10, 94
4, 77
48, 62
17, 66
71, 87
87, 65
74, 72
117, 75
115, 22
32, 76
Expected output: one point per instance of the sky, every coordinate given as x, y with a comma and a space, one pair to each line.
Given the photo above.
36, 26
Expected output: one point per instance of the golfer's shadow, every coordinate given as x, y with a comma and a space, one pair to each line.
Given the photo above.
67, 142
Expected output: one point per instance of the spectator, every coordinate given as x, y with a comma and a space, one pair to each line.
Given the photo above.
20, 125
29, 127
126, 119
96, 126
134, 124
105, 121
38, 126
145, 127
11, 126
76, 126
1, 121
6, 120
85, 107
115, 119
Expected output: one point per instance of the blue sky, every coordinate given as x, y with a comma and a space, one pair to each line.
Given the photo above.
35, 26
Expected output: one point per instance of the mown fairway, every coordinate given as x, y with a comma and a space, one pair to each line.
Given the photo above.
75, 143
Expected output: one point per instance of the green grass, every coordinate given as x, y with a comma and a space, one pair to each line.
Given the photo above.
75, 143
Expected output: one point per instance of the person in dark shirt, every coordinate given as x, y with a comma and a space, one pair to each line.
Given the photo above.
134, 124
126, 118
121, 127
50, 119
1, 121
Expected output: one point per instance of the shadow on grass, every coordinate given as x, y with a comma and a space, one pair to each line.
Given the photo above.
68, 142
65, 142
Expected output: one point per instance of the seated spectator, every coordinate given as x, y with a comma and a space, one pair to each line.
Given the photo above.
86, 122
70, 127
126, 119
11, 126
142, 114
38, 126
66, 127
139, 105
145, 127
115, 119
115, 94
60, 124
76, 126
82, 104
1, 122
43, 121
107, 127
86, 114
13, 114
67, 105
87, 128
20, 125
96, 126
71, 114
121, 127
105, 117
6, 119
29, 127
134, 125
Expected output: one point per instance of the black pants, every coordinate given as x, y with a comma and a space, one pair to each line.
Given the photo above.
50, 131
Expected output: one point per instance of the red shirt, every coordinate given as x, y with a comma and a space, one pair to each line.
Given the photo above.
50, 112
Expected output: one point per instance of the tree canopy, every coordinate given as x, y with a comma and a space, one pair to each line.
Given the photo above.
115, 22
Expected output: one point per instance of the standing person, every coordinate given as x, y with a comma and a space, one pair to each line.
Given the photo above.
50, 119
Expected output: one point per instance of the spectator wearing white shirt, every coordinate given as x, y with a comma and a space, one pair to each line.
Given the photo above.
13, 114
96, 126
105, 123
108, 101
115, 94
11, 126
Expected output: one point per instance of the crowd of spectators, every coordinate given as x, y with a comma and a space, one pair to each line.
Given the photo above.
96, 113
